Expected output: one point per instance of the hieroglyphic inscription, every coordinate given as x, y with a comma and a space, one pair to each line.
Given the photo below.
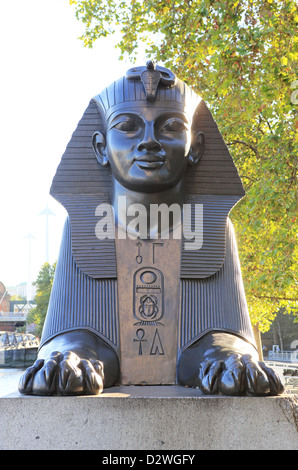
140, 333
148, 296
154, 246
156, 348
139, 258
148, 287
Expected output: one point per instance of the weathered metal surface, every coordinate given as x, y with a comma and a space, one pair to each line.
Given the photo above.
216, 303
80, 302
97, 258
80, 173
148, 283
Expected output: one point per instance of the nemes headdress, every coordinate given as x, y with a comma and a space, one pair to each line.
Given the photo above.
147, 84
81, 183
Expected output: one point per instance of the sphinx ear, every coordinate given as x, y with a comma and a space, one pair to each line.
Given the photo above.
99, 148
197, 148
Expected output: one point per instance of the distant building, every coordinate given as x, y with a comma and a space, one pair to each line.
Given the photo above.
20, 290
13, 313
4, 299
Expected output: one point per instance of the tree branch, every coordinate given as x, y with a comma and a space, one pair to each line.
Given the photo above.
274, 298
247, 145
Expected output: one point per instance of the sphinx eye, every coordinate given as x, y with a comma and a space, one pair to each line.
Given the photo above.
127, 125
174, 125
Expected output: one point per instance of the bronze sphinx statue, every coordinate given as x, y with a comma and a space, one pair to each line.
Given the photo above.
148, 287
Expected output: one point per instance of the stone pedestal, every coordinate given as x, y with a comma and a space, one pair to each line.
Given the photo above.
148, 418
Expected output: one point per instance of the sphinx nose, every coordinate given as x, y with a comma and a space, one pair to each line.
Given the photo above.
149, 140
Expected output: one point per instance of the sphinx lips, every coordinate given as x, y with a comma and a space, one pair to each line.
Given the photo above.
150, 162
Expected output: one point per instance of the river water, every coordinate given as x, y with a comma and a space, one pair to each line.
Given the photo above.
9, 379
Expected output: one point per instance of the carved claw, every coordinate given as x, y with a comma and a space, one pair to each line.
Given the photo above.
44, 381
256, 380
232, 381
275, 385
63, 374
70, 377
209, 374
93, 373
238, 375
26, 380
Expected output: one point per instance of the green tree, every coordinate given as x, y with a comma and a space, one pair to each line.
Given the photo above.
241, 56
43, 285
283, 331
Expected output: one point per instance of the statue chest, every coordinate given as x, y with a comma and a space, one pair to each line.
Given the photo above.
148, 303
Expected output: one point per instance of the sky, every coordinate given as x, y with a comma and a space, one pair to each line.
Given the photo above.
47, 80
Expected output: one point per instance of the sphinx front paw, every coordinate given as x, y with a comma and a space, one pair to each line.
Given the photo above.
238, 375
222, 363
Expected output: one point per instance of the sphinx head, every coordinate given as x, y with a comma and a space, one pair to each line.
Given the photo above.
150, 134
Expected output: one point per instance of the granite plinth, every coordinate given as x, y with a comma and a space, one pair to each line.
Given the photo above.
149, 418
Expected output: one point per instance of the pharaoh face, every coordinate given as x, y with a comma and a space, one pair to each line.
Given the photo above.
148, 148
